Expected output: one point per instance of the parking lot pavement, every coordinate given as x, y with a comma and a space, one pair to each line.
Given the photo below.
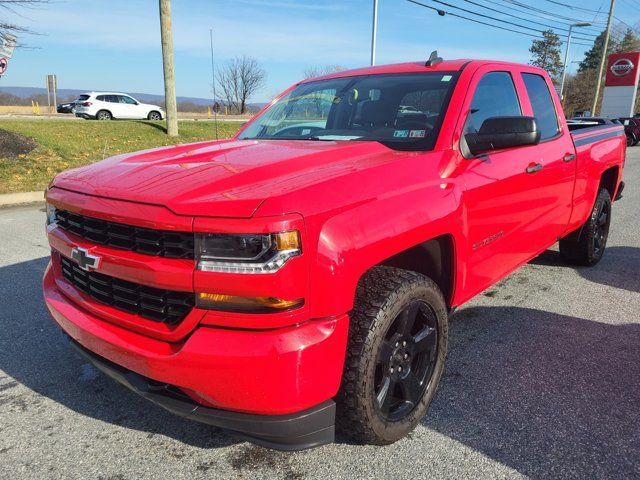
542, 381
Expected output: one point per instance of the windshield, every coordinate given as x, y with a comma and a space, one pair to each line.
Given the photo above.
402, 111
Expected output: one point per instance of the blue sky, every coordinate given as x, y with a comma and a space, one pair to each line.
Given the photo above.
115, 44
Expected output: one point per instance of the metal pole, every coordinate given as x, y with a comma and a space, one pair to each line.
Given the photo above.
48, 96
167, 65
564, 68
55, 94
603, 59
374, 29
213, 79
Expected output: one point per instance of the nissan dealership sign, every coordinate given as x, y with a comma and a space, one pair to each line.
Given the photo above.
622, 67
621, 85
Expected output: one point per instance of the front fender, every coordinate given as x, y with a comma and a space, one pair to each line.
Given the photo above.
356, 239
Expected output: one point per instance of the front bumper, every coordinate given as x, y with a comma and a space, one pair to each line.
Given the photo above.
307, 429
274, 372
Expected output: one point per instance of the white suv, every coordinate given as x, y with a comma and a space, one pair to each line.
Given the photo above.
109, 105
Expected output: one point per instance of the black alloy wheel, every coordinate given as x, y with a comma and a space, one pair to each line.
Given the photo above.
589, 247
395, 357
406, 361
601, 233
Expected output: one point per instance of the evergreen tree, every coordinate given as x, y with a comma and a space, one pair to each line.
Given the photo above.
545, 53
629, 43
593, 56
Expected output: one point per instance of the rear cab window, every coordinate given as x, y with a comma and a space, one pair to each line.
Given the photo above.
542, 104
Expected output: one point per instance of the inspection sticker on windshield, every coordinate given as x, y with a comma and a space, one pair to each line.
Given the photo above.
401, 133
417, 133
446, 78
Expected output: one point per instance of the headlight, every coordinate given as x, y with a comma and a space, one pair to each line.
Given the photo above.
51, 214
246, 253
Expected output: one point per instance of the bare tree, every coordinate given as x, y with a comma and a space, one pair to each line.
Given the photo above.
239, 80
319, 70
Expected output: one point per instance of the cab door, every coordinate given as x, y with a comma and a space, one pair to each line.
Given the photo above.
556, 160
500, 197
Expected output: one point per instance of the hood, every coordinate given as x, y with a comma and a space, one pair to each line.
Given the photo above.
228, 178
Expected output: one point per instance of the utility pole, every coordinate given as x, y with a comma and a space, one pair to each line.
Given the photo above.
374, 29
603, 60
213, 79
167, 66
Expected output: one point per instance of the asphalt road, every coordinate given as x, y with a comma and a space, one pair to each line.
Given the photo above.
542, 381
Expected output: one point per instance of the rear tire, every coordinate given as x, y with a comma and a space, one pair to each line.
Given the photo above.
104, 115
631, 140
589, 248
395, 357
154, 116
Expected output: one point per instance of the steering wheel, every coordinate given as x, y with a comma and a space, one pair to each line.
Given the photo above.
296, 131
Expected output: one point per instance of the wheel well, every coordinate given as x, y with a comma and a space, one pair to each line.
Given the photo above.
609, 180
153, 111
433, 258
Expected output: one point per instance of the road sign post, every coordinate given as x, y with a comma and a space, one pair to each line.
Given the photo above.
52, 91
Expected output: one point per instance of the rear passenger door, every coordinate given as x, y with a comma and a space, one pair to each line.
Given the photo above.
113, 105
500, 196
555, 155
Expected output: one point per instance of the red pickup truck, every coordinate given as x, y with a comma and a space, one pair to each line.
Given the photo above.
300, 275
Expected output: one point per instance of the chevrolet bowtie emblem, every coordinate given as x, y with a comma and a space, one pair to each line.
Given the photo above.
84, 259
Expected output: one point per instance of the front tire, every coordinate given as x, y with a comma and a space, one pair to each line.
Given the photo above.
103, 115
589, 248
395, 358
154, 116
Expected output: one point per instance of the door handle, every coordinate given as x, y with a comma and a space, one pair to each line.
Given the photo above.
569, 157
534, 167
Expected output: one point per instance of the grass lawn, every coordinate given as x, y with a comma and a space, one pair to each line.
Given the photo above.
64, 144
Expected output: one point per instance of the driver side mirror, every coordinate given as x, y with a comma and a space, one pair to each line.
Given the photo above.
497, 133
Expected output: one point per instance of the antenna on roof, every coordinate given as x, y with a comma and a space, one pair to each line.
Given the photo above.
434, 59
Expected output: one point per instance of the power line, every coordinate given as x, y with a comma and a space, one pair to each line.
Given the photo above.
493, 18
528, 20
539, 10
548, 17
442, 12
572, 7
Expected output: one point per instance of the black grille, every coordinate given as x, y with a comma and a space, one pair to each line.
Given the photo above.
165, 306
161, 243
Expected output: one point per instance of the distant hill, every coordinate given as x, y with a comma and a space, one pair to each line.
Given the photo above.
67, 94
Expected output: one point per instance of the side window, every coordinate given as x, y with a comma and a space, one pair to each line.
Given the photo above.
542, 105
495, 96
101, 98
111, 98
127, 100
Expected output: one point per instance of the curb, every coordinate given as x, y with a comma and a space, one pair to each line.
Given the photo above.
21, 198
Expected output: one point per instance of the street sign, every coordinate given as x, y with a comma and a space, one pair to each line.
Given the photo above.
7, 45
4, 63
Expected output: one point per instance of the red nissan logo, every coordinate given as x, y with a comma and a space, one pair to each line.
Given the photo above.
622, 67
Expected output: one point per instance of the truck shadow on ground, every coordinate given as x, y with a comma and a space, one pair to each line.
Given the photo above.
619, 267
551, 396
34, 352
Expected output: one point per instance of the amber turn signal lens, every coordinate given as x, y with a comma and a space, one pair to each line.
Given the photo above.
288, 240
232, 303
